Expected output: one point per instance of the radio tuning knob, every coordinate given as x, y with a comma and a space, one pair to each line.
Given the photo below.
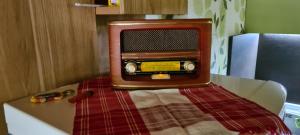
189, 66
130, 67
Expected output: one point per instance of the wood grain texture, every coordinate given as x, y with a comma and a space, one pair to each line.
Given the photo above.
146, 7
18, 72
3, 127
18, 66
43, 45
108, 10
65, 41
154, 6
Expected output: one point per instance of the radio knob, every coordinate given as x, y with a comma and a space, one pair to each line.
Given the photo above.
189, 66
130, 67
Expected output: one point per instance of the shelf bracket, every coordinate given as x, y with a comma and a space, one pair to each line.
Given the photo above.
88, 5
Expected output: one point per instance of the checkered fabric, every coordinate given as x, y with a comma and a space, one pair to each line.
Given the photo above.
190, 111
235, 113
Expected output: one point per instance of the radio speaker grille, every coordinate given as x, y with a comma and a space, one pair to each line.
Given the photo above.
159, 40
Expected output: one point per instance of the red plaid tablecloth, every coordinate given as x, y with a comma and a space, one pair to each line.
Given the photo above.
206, 110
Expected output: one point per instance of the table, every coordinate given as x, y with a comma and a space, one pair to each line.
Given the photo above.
56, 118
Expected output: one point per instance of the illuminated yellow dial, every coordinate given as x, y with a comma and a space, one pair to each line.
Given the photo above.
160, 66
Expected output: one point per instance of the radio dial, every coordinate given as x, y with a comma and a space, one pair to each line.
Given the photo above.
189, 66
131, 67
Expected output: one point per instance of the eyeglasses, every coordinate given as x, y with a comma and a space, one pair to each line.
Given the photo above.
52, 96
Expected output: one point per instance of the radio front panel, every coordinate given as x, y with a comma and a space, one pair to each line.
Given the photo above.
146, 67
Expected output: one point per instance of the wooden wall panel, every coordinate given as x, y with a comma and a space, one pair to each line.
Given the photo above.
65, 39
154, 6
3, 130
44, 44
18, 66
18, 72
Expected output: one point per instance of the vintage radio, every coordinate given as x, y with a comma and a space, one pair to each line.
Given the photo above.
160, 53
